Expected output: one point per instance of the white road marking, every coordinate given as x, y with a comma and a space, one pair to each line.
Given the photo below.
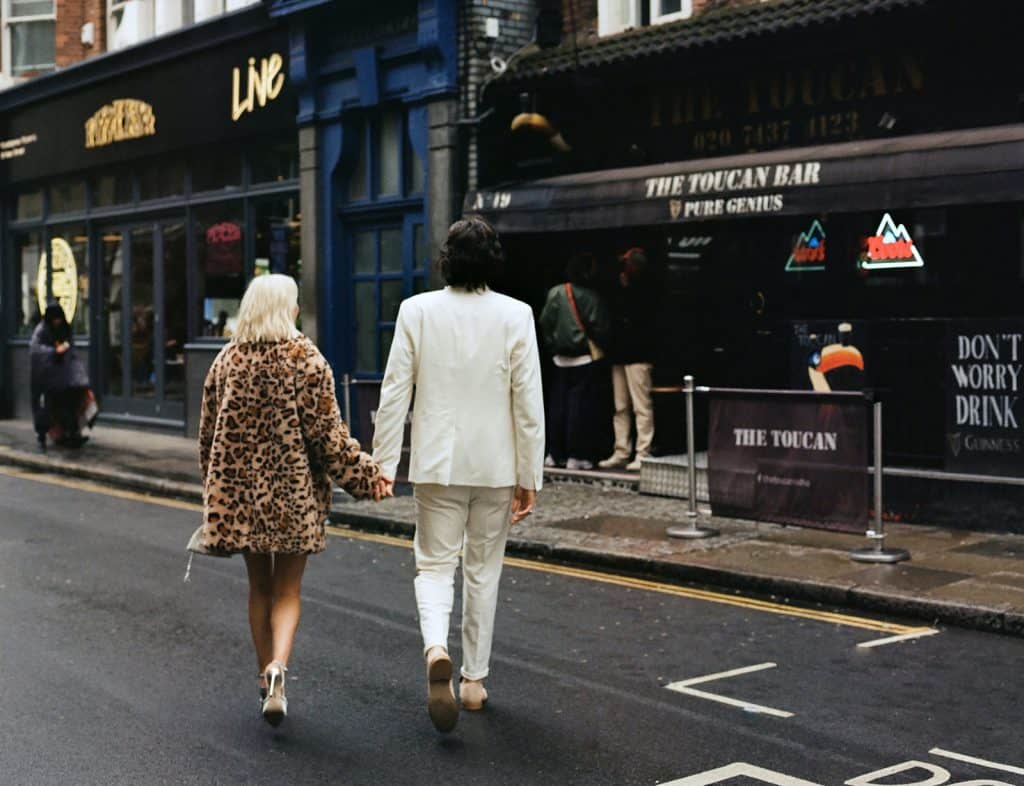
980, 762
740, 769
683, 686
920, 634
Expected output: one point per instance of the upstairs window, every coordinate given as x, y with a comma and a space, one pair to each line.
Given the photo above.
616, 16
29, 36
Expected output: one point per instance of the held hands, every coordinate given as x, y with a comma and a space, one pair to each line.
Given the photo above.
523, 501
384, 488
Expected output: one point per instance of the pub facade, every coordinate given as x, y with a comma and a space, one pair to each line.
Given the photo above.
789, 167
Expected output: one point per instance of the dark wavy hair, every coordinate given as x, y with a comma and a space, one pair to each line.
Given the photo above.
471, 257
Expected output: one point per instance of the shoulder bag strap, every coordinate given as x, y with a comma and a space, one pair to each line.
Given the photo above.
575, 311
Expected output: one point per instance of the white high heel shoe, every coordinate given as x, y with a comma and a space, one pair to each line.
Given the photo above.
275, 705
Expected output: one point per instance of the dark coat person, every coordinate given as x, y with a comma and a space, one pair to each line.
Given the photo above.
59, 380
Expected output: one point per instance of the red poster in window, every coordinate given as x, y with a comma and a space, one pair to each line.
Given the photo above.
223, 249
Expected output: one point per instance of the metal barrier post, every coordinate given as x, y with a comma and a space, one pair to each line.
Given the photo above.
346, 399
878, 553
692, 531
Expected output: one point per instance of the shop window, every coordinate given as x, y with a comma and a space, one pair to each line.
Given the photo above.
389, 154
69, 274
28, 249
278, 244
67, 196
112, 188
28, 205
161, 179
275, 162
220, 244
217, 169
29, 36
382, 147
358, 181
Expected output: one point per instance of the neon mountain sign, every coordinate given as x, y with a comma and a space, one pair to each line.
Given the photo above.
809, 250
890, 247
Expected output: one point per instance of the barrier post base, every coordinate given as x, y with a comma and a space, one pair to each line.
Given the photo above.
691, 532
880, 556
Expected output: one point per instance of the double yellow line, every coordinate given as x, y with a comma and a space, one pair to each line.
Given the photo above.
646, 585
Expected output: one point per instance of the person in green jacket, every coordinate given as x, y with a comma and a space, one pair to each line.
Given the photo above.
575, 325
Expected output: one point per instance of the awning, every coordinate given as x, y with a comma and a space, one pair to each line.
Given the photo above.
982, 165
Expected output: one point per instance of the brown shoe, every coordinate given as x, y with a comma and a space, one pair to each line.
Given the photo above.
472, 694
441, 705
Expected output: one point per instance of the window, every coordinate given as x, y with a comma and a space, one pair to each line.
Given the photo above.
112, 188
161, 178
220, 244
382, 162
28, 248
217, 169
388, 264
28, 205
69, 266
130, 22
615, 16
275, 161
278, 245
67, 196
29, 37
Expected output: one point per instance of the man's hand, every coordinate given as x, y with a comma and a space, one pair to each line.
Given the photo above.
385, 488
523, 501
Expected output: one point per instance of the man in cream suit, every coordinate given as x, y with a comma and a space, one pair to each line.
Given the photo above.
477, 448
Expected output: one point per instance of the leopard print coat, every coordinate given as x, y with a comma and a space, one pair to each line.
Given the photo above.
270, 440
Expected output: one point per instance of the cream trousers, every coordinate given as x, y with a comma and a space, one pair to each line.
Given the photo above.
632, 387
476, 521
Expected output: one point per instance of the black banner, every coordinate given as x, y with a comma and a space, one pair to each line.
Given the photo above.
985, 397
235, 91
795, 460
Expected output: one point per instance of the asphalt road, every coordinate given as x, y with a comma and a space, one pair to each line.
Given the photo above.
114, 671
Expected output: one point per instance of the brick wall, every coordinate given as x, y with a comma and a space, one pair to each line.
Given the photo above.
516, 19
71, 16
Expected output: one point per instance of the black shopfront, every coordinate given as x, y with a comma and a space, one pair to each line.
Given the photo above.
850, 167
142, 196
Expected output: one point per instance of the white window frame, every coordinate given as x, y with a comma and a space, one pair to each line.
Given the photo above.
612, 20
7, 21
657, 18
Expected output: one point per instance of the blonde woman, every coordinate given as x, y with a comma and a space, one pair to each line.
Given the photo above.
270, 441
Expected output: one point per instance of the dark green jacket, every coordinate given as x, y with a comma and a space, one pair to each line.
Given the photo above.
558, 326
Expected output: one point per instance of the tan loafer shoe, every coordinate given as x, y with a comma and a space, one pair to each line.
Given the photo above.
441, 704
472, 694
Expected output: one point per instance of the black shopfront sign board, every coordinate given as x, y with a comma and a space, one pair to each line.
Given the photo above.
791, 459
985, 397
192, 100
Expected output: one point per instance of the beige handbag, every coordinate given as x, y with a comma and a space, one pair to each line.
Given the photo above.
595, 351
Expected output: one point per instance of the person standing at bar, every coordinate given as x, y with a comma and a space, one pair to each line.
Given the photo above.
477, 449
632, 352
576, 326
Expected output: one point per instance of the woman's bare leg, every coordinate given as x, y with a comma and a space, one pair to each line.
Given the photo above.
261, 594
284, 615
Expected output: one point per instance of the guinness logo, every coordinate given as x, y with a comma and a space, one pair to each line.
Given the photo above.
675, 208
956, 443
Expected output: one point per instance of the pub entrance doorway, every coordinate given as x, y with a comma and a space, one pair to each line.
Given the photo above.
143, 322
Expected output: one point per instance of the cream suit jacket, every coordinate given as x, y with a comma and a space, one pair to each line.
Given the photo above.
478, 418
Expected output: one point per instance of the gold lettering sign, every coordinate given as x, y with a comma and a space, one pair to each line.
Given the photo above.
118, 121
262, 86
64, 278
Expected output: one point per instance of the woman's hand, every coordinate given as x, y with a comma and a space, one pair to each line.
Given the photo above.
61, 347
385, 488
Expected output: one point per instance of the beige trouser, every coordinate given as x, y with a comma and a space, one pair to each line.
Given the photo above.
632, 386
476, 521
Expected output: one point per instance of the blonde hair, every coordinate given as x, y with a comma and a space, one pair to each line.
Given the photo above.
267, 312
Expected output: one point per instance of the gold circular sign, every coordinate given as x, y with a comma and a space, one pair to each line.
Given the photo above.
64, 278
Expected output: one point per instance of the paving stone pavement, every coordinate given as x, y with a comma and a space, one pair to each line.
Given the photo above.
955, 576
